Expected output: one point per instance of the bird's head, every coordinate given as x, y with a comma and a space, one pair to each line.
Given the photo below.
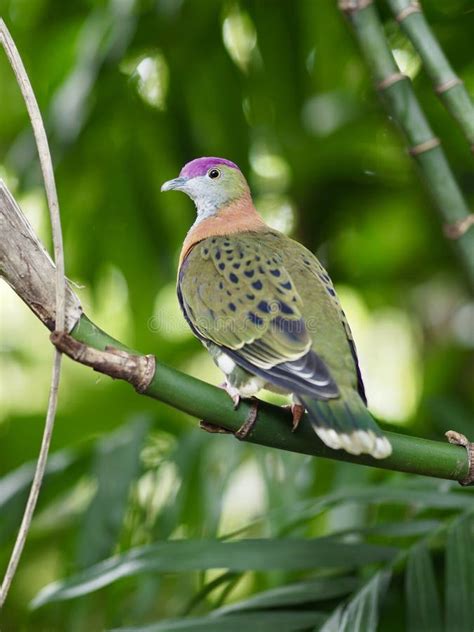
212, 184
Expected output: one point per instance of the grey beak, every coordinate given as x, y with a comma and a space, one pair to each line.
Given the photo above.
171, 185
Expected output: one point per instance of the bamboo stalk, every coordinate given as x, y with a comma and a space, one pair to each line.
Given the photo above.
447, 85
273, 426
425, 148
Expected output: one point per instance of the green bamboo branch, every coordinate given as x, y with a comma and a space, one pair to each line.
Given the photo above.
447, 84
27, 268
273, 426
404, 108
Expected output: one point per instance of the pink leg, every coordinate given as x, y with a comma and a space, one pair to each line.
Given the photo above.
297, 412
232, 392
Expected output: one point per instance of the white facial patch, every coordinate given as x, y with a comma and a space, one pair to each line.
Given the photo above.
209, 195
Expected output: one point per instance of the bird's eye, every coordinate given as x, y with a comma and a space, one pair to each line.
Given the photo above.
214, 173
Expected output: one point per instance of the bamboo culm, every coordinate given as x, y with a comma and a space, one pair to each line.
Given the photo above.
403, 106
447, 85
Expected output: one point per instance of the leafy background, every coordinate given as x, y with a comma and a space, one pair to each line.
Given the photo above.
131, 90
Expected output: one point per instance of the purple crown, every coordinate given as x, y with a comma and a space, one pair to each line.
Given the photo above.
200, 166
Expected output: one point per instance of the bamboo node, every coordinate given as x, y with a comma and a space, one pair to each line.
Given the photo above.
459, 228
414, 7
457, 438
352, 6
447, 85
138, 370
427, 145
390, 80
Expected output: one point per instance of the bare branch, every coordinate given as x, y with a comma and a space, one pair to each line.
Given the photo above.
27, 267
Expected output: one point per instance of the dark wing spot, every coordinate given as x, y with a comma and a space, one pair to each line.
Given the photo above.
286, 309
256, 320
251, 297
249, 273
233, 277
263, 306
286, 286
330, 291
221, 266
218, 254
236, 266
276, 272
232, 307
257, 285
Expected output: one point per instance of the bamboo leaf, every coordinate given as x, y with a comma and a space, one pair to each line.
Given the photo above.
361, 614
191, 555
62, 467
406, 529
423, 606
295, 594
460, 575
440, 498
116, 465
283, 620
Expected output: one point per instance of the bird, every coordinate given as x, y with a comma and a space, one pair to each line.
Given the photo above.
267, 311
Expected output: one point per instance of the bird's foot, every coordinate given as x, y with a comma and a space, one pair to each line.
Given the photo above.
232, 392
244, 430
248, 425
297, 412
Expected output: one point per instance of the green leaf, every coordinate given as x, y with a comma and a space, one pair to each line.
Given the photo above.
443, 497
61, 469
361, 614
460, 575
298, 593
406, 529
190, 555
423, 607
283, 620
116, 465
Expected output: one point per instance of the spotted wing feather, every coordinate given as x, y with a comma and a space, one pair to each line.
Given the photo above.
237, 294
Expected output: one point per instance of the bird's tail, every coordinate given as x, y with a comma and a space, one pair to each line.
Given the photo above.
346, 423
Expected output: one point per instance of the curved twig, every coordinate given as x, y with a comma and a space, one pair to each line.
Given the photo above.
53, 205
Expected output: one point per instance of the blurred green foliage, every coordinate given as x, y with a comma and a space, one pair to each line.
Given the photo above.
131, 90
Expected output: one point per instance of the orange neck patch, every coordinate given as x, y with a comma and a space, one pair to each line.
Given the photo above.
237, 217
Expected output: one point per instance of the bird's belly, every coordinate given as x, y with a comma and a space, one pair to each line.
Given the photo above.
243, 382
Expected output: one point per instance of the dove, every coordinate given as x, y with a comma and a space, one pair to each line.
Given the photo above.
267, 312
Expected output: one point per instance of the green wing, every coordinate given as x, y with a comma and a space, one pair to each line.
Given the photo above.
236, 293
